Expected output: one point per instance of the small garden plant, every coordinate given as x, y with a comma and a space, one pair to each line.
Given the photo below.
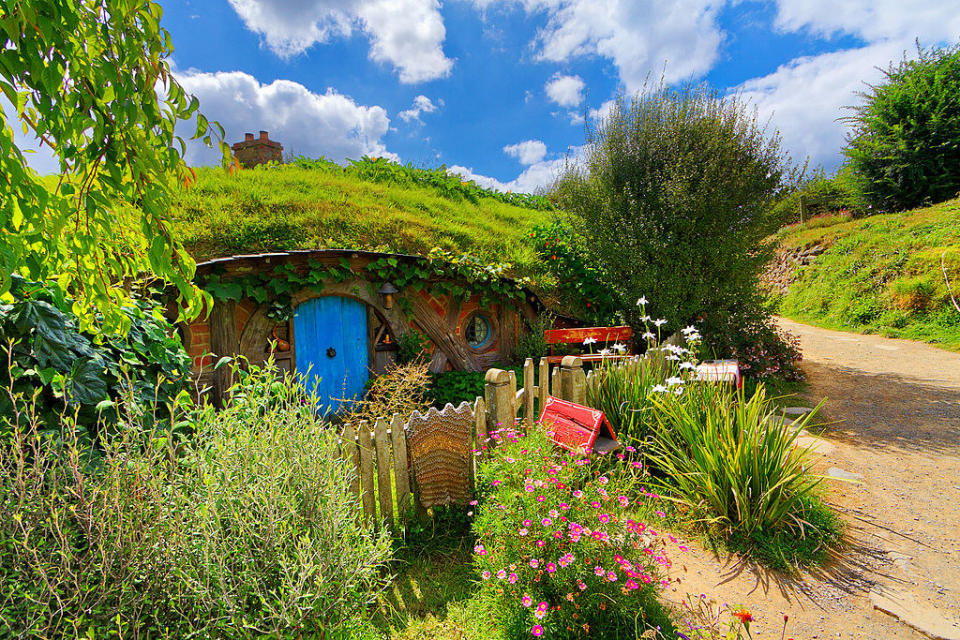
563, 540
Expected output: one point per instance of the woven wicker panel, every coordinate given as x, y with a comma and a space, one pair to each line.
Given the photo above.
439, 447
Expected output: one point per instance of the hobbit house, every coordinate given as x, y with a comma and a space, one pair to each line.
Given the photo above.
336, 316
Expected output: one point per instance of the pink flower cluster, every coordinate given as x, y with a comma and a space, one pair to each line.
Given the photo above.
572, 528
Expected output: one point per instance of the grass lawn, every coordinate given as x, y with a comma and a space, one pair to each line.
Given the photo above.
880, 274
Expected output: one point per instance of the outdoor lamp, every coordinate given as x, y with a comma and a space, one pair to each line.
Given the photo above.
387, 291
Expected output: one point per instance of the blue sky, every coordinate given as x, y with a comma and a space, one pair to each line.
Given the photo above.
497, 89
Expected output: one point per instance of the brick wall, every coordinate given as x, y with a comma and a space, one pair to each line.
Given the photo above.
198, 341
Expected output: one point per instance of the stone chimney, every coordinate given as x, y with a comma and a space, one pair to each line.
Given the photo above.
253, 151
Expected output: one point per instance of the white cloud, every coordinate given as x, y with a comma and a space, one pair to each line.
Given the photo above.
566, 91
537, 176
805, 97
639, 36
313, 124
527, 152
872, 20
407, 34
421, 104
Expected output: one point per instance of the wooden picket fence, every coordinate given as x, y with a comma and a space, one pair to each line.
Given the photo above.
381, 457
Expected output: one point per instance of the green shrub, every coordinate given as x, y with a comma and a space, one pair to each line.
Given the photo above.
411, 347
532, 343
732, 463
904, 148
83, 373
580, 287
823, 195
247, 529
560, 547
454, 387
673, 200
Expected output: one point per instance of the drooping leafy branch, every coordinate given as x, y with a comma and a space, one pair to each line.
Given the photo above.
91, 80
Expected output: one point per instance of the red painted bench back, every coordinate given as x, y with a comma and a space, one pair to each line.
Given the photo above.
577, 336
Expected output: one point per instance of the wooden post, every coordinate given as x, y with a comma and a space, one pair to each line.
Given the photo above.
544, 383
401, 466
480, 416
803, 207
573, 382
348, 445
513, 393
384, 485
498, 399
223, 342
528, 386
366, 472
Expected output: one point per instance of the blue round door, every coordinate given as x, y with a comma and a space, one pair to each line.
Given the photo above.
331, 349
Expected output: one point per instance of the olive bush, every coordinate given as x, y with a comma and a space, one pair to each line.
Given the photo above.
673, 198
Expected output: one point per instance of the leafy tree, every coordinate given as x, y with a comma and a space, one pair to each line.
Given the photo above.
672, 199
904, 147
91, 80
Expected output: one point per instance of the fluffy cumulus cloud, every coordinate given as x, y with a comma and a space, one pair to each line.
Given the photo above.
805, 98
642, 37
313, 124
407, 34
566, 91
421, 104
872, 20
527, 152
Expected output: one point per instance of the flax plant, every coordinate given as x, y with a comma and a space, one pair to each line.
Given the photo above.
731, 461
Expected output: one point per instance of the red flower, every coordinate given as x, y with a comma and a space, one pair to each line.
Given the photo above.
743, 615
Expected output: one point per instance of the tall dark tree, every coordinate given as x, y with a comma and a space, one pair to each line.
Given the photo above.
904, 146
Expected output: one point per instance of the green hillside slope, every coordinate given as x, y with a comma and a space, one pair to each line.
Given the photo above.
301, 208
880, 274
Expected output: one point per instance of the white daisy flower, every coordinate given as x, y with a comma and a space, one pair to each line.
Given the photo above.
659, 389
604, 352
660, 322
641, 301
674, 380
587, 341
687, 365
619, 348
648, 336
688, 330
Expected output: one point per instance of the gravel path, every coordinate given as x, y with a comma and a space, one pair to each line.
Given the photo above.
893, 414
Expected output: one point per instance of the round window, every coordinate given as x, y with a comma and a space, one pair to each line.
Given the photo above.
478, 331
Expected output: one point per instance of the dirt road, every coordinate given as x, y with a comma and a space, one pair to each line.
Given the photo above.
894, 413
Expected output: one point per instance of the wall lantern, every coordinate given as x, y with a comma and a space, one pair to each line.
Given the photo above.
387, 291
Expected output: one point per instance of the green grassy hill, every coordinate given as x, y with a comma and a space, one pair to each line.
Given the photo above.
880, 274
292, 207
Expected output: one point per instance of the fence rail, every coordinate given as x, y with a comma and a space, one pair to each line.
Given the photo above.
383, 461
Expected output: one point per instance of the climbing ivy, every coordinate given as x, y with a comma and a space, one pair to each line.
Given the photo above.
441, 273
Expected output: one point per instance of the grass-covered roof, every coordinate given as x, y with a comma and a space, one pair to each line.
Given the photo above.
370, 205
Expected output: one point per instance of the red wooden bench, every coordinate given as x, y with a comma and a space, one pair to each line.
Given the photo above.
601, 335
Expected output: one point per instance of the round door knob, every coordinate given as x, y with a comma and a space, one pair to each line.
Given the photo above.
331, 353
